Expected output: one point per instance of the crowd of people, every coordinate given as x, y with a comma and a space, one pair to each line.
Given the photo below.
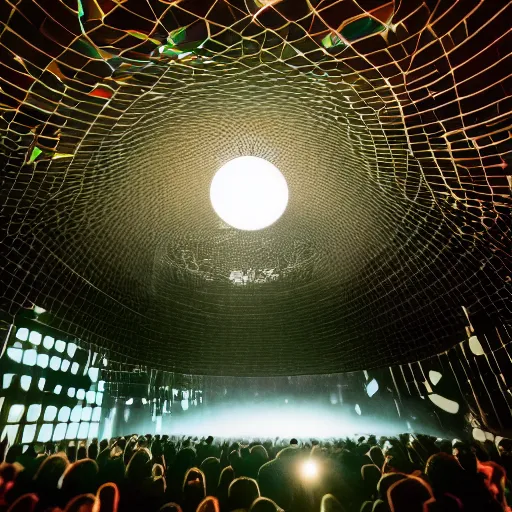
171, 474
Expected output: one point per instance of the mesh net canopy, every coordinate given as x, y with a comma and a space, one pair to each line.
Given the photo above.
390, 121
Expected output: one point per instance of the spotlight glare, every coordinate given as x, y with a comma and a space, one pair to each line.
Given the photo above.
249, 193
309, 469
273, 418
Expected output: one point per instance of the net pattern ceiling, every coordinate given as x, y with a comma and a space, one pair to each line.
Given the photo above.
389, 120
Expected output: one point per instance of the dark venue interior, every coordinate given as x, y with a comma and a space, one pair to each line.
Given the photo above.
255, 255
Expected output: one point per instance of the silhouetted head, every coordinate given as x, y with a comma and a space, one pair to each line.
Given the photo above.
466, 456
47, 478
81, 453
386, 482
227, 475
170, 507
444, 473
371, 475
242, 492
330, 504
80, 477
265, 505
71, 451
194, 489
409, 495
209, 504
380, 506
25, 503
82, 503
211, 469
377, 456
185, 459
14, 451
92, 450
108, 498
234, 460
366, 506
157, 471
139, 466
258, 456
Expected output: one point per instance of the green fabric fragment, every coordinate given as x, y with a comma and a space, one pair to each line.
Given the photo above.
35, 153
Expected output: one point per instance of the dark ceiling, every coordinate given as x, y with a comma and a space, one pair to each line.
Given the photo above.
389, 120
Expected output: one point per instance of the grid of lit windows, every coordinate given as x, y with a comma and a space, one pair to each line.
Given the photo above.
51, 388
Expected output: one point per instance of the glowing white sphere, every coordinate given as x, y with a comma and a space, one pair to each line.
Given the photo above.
309, 469
249, 193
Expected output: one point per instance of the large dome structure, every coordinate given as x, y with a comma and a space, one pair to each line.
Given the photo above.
390, 121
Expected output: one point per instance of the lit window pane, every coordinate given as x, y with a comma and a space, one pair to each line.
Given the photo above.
91, 397
71, 392
86, 413
45, 434
22, 334
41, 383
10, 431
48, 342
6, 381
83, 430
30, 357
105, 362
93, 430
60, 431
2, 398
15, 354
64, 414
96, 414
71, 349
444, 403
372, 388
93, 374
99, 398
65, 365
58, 389
74, 368
80, 394
101, 385
33, 413
35, 339
76, 413
72, 431
29, 432
50, 413
60, 346
55, 363
42, 360
15, 413
25, 382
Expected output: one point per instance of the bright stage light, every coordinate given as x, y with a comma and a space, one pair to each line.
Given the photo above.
304, 420
249, 193
309, 469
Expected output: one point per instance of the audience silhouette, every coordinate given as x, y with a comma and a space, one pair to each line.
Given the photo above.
172, 474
